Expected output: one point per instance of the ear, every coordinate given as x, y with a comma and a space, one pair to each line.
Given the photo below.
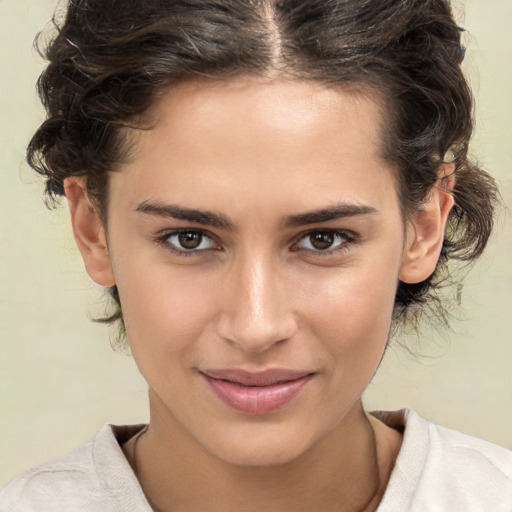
89, 232
425, 230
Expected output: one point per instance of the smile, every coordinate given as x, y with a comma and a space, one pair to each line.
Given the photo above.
256, 393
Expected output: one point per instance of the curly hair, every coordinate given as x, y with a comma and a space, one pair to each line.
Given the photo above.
110, 59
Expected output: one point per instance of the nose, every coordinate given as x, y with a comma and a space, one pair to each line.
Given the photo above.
257, 310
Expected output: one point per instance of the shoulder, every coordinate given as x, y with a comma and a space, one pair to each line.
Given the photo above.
89, 478
444, 470
469, 454
69, 477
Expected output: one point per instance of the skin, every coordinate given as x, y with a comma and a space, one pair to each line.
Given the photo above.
256, 293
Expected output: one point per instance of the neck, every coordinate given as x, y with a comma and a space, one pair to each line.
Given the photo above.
345, 471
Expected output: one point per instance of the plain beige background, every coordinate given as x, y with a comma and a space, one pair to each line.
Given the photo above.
60, 380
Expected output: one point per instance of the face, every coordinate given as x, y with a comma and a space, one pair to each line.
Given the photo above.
256, 240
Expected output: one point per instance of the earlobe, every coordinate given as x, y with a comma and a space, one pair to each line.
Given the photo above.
426, 229
89, 232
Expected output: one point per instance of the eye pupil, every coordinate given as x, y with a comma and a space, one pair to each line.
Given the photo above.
190, 239
322, 240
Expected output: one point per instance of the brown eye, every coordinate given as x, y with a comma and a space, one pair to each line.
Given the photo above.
322, 240
325, 241
190, 239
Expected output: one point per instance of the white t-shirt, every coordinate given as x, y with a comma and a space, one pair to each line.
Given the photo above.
437, 470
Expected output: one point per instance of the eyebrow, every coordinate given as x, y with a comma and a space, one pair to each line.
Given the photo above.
219, 220
338, 211
204, 217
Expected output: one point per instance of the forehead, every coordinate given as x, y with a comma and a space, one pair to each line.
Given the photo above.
252, 138
269, 108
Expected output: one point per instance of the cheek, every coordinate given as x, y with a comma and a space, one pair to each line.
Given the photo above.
351, 302
351, 315
164, 308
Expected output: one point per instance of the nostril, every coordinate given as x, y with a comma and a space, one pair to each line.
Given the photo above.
254, 336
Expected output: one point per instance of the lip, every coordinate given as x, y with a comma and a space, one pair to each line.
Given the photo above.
257, 392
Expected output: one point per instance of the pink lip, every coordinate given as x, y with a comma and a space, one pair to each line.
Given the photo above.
256, 393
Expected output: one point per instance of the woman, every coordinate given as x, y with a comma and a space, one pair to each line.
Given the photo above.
263, 187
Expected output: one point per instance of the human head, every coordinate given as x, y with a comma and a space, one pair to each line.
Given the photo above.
111, 60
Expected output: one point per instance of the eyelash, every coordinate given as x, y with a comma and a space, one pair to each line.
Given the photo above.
348, 239
163, 240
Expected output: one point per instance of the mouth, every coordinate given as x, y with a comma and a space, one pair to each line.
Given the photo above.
256, 393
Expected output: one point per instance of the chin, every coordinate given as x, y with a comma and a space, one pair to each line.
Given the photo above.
257, 457
261, 447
